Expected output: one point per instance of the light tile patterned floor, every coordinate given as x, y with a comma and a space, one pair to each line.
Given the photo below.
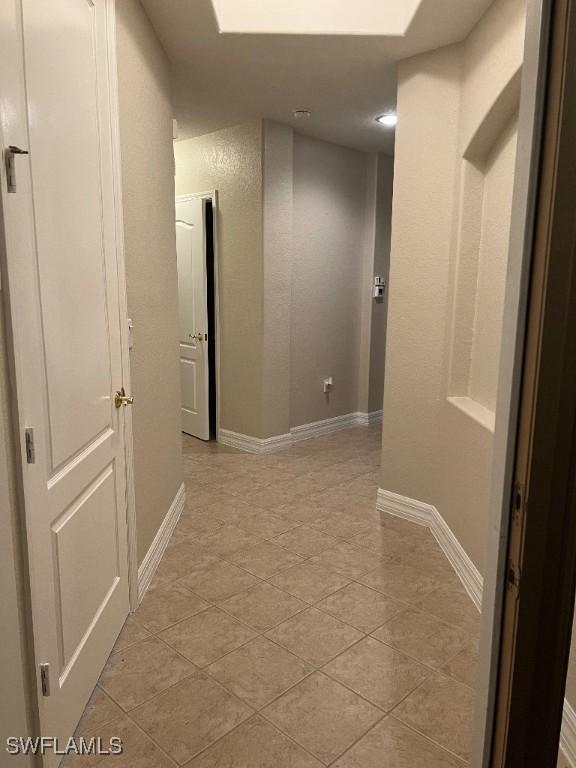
291, 625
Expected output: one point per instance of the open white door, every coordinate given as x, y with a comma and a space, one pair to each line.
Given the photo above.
193, 314
63, 270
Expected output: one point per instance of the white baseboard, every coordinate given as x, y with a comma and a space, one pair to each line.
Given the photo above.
148, 566
568, 735
303, 432
324, 427
426, 514
369, 419
254, 444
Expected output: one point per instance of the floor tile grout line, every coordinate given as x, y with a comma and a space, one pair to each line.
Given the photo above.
151, 698
428, 738
204, 671
173, 759
412, 606
379, 720
389, 715
315, 604
243, 723
413, 658
364, 697
203, 668
258, 710
152, 739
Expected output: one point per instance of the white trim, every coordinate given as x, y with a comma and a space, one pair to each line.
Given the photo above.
154, 555
513, 331
123, 303
297, 434
254, 444
324, 427
568, 734
428, 515
369, 419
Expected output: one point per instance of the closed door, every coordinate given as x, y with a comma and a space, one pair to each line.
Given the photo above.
193, 315
64, 291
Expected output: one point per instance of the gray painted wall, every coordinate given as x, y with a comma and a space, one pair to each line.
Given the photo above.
329, 252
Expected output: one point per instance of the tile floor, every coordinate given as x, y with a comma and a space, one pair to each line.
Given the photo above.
291, 625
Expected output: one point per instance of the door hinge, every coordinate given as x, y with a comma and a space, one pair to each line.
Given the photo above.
513, 578
9, 159
45, 679
30, 449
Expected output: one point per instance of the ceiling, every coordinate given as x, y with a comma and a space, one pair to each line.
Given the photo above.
221, 79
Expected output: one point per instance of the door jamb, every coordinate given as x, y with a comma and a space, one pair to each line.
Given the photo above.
123, 303
213, 196
542, 537
511, 360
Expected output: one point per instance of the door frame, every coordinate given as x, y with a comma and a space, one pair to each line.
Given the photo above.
212, 195
514, 325
17, 332
542, 539
507, 660
123, 300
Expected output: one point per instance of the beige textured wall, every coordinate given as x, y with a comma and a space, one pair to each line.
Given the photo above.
381, 266
277, 199
491, 273
330, 219
148, 198
230, 161
432, 450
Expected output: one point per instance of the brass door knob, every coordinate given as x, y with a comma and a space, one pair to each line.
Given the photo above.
121, 398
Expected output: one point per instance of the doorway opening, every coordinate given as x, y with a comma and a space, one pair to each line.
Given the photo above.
197, 312
211, 303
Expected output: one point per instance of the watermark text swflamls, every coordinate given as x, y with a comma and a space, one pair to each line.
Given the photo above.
43, 745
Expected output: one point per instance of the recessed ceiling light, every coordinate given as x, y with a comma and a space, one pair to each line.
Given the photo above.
389, 120
302, 114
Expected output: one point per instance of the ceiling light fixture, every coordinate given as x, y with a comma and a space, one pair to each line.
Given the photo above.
389, 120
302, 114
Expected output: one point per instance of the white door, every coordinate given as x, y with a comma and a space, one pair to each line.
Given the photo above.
193, 314
64, 292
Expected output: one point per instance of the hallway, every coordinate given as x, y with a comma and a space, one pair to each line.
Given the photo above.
290, 625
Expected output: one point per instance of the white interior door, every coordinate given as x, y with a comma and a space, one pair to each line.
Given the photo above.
65, 300
193, 314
